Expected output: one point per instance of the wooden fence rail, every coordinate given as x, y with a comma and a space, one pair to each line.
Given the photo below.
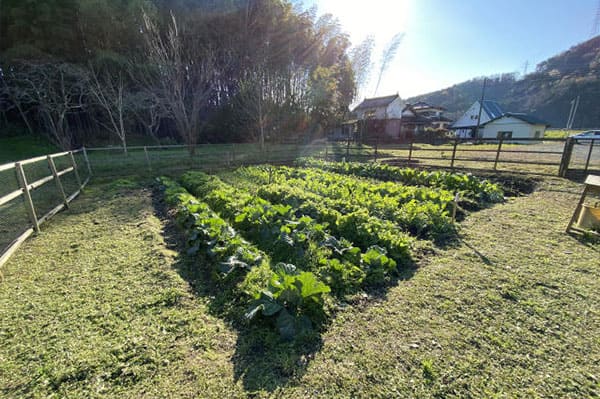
25, 189
169, 158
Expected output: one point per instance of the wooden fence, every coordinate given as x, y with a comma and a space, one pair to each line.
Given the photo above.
557, 156
26, 190
553, 156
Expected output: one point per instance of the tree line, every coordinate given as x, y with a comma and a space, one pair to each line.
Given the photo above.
197, 71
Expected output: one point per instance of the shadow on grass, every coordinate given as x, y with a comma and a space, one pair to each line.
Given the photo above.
262, 360
587, 238
481, 256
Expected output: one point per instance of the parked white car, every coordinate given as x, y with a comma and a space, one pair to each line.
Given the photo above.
587, 136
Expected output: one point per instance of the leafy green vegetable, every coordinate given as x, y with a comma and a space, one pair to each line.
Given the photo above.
291, 299
468, 186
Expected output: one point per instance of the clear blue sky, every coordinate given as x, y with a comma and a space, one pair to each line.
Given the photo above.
449, 41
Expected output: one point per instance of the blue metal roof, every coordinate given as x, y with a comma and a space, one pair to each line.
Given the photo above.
492, 109
531, 119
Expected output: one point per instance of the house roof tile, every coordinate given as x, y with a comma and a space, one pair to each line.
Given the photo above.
376, 102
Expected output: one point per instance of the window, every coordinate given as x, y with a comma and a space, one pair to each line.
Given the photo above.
505, 135
538, 134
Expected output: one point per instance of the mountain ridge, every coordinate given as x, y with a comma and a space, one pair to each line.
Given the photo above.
546, 93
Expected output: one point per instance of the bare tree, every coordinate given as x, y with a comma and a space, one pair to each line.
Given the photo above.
360, 59
148, 111
185, 72
252, 104
54, 91
108, 92
389, 52
12, 96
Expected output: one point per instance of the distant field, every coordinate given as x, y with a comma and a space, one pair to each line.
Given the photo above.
560, 133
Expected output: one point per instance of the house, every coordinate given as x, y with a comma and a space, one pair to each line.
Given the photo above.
433, 113
347, 130
495, 123
465, 125
411, 122
380, 117
513, 126
388, 107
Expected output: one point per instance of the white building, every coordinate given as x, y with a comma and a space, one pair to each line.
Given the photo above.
381, 117
495, 123
513, 126
388, 107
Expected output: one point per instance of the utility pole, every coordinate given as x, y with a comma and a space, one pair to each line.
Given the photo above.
525, 67
480, 108
574, 106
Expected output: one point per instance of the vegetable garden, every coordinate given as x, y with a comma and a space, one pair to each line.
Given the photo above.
289, 243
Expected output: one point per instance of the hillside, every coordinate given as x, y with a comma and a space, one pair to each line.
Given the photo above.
547, 92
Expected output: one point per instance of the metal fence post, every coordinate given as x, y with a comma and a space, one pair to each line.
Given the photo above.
28, 201
59, 185
453, 153
87, 161
75, 169
498, 153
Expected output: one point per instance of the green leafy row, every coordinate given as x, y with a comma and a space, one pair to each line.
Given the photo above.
420, 211
291, 237
292, 300
211, 235
466, 185
342, 219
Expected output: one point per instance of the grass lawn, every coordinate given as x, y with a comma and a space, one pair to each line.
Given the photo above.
24, 146
102, 304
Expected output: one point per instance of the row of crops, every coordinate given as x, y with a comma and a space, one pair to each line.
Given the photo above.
290, 242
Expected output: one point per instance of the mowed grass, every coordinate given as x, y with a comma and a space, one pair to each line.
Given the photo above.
103, 304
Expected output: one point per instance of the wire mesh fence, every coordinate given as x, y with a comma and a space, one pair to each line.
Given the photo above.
33, 190
25, 204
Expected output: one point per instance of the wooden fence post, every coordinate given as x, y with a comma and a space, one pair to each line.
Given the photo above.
498, 152
75, 169
28, 201
566, 157
87, 161
410, 149
326, 152
453, 153
348, 147
268, 153
455, 206
376, 145
589, 155
147, 159
59, 185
